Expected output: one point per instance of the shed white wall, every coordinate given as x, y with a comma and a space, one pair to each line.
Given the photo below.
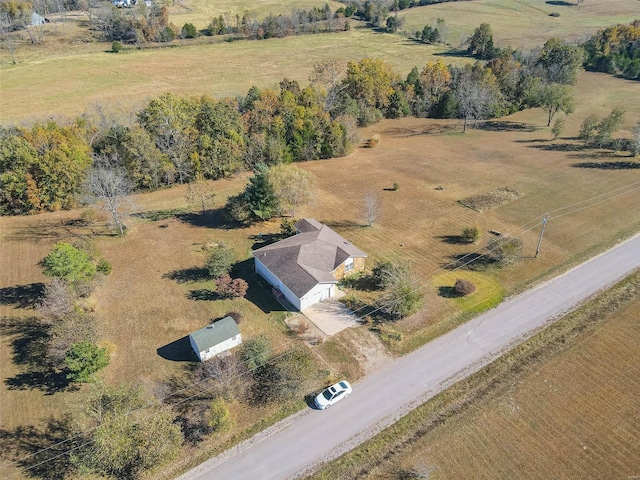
216, 349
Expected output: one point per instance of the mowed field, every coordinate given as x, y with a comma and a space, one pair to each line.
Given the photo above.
64, 78
144, 305
510, 18
200, 12
574, 415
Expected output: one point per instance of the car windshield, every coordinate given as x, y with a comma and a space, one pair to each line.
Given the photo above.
343, 385
327, 394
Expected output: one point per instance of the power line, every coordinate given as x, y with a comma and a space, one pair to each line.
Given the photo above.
416, 285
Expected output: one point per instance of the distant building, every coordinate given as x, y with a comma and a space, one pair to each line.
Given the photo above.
38, 19
215, 338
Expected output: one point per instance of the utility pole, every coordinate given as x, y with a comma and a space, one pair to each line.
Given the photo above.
544, 224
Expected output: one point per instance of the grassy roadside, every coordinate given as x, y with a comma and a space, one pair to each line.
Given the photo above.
477, 390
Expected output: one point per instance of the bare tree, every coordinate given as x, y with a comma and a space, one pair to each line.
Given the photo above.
474, 97
328, 74
58, 300
635, 141
200, 193
109, 187
9, 43
371, 207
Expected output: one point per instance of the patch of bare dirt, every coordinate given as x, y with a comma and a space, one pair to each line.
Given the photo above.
367, 348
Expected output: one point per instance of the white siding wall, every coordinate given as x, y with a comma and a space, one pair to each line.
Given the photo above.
317, 293
216, 349
265, 273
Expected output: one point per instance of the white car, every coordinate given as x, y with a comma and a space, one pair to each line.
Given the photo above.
332, 394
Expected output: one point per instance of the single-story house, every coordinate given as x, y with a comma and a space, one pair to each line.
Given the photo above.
306, 267
215, 338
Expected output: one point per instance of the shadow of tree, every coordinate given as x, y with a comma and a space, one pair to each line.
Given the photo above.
452, 239
158, 215
264, 239
215, 218
455, 53
203, 294
21, 296
622, 165
560, 3
561, 147
188, 275
346, 224
505, 126
448, 292
43, 452
29, 349
68, 229
178, 351
470, 261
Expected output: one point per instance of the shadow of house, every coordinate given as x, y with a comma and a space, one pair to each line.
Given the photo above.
258, 291
178, 351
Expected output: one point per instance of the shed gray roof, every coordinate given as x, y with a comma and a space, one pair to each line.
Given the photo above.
308, 258
215, 333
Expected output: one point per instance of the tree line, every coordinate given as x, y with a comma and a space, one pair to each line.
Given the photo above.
183, 139
615, 50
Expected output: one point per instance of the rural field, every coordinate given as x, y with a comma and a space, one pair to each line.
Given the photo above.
32, 89
145, 306
563, 405
157, 293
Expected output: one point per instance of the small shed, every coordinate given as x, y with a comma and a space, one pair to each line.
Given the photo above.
215, 338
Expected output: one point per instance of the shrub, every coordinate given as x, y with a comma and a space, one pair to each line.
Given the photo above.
104, 266
189, 31
288, 227
255, 352
220, 259
395, 187
219, 416
558, 128
554, 14
227, 287
116, 47
84, 359
464, 287
372, 142
471, 234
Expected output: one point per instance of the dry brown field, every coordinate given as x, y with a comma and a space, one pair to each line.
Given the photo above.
575, 415
592, 197
144, 309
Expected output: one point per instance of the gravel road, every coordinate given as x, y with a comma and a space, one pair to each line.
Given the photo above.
299, 443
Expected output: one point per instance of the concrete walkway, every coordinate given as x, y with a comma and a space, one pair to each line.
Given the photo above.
331, 316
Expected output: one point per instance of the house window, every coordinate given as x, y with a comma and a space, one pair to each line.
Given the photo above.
348, 265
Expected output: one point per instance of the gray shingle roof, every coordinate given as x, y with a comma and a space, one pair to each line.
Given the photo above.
215, 333
308, 258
